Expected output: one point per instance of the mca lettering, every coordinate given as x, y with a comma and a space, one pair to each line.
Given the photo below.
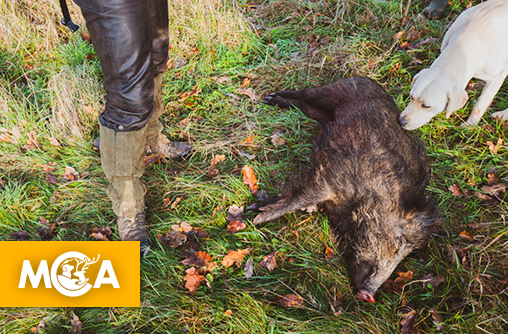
68, 274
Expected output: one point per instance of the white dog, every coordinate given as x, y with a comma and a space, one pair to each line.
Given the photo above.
475, 46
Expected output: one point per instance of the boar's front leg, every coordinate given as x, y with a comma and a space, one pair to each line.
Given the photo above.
315, 191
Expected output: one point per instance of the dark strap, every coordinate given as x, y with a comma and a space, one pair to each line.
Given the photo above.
66, 21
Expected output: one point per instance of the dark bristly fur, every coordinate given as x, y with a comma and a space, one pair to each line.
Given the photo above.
368, 174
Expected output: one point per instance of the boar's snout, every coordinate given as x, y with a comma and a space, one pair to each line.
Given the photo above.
362, 272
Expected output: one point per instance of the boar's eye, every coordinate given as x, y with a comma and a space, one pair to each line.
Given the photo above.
401, 243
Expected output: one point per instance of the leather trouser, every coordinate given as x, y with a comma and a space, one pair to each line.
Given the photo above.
131, 40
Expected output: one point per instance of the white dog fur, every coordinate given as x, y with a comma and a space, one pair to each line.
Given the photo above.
475, 46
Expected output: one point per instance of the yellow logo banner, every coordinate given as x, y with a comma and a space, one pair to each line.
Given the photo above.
69, 274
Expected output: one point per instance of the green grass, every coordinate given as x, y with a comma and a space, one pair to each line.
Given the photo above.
49, 77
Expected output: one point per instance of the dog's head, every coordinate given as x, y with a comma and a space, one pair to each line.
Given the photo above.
431, 93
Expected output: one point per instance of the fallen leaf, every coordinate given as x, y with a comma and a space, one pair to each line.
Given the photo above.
250, 179
212, 171
291, 301
70, 174
183, 122
6, 138
194, 92
16, 134
494, 148
46, 232
435, 281
20, 235
236, 226
183, 227
32, 141
296, 234
437, 319
487, 199
76, 325
330, 253
249, 92
398, 35
96, 144
399, 283
455, 190
233, 96
246, 82
276, 138
461, 253
466, 236
199, 259
228, 313
235, 213
166, 202
247, 155
151, 159
177, 238
412, 34
104, 230
53, 141
492, 178
86, 37
495, 190
406, 275
408, 322
50, 178
388, 286
269, 261
223, 79
176, 202
99, 237
415, 61
48, 168
235, 257
218, 158
477, 226
248, 269
192, 280
249, 141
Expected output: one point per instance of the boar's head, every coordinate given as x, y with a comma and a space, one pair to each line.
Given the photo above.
378, 240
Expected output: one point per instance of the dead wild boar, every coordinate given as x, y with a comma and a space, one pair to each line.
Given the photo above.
368, 174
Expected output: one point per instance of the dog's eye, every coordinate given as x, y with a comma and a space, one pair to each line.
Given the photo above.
424, 106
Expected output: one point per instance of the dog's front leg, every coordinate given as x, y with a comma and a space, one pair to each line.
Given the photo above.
489, 91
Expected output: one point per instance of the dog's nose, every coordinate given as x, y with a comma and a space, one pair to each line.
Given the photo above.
402, 121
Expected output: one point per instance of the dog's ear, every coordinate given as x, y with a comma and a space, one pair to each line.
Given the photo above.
457, 98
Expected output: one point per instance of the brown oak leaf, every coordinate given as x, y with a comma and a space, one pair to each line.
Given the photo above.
193, 279
269, 261
70, 174
235, 257
291, 301
249, 178
408, 323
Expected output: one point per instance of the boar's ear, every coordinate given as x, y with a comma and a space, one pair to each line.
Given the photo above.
457, 98
417, 227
